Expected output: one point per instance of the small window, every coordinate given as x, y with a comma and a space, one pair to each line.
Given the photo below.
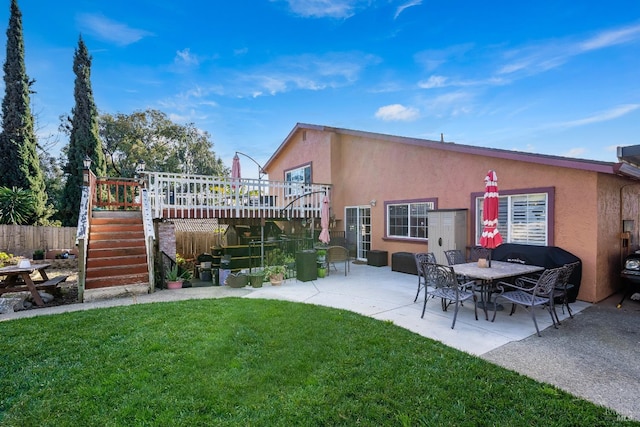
408, 220
297, 178
522, 218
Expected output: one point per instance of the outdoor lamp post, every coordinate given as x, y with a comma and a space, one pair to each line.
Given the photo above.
140, 166
86, 169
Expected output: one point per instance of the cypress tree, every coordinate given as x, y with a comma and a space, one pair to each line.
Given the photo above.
19, 161
83, 138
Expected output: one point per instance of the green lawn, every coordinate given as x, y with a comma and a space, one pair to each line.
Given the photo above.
258, 363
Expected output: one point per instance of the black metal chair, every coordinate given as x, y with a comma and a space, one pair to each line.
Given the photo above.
561, 291
455, 256
478, 252
441, 282
529, 297
422, 257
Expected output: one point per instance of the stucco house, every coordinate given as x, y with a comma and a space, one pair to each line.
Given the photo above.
589, 208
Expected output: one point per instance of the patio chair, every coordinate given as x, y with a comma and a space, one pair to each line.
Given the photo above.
422, 257
478, 252
529, 297
561, 291
441, 282
455, 256
337, 254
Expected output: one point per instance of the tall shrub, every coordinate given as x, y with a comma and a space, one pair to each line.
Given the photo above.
83, 138
19, 163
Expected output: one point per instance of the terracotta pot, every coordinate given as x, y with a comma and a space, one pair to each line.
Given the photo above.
276, 279
174, 285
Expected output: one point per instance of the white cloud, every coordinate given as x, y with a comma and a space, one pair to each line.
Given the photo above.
550, 54
111, 31
441, 81
302, 72
241, 52
185, 57
431, 59
433, 82
405, 6
611, 38
397, 112
574, 152
340, 9
604, 116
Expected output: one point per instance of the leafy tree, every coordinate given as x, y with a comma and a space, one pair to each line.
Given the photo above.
17, 206
83, 139
19, 160
164, 145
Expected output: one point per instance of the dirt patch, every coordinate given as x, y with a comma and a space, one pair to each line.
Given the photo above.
67, 292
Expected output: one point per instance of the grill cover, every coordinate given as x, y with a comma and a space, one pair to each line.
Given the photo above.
544, 256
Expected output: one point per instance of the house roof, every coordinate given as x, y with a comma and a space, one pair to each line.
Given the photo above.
623, 168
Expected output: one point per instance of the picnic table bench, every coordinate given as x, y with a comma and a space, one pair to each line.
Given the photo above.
18, 279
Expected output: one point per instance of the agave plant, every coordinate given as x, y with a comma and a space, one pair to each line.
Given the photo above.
17, 206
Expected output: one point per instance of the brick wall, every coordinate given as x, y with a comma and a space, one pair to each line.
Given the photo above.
166, 232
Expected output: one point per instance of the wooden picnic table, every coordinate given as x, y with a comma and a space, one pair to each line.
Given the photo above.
18, 279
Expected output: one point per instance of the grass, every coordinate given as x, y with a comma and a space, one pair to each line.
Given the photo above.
258, 363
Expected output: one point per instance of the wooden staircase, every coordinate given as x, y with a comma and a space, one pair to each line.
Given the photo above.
116, 254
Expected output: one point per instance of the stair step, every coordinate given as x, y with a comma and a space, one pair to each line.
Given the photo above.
122, 243
114, 228
111, 261
117, 251
116, 270
120, 235
116, 255
115, 215
105, 282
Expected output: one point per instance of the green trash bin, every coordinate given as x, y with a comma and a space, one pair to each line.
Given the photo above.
306, 265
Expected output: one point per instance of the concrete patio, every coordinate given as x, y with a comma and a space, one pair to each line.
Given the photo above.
376, 292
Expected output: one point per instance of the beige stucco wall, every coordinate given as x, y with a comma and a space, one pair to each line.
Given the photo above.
587, 204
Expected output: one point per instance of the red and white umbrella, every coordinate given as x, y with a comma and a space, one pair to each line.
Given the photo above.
235, 171
324, 221
491, 237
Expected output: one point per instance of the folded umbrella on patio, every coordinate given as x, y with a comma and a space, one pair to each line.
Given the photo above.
491, 237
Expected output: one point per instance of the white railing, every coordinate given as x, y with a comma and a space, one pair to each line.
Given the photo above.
200, 196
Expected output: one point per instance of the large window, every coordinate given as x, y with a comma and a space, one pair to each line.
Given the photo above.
522, 218
299, 177
408, 219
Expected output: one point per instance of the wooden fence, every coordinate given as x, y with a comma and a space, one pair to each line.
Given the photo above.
22, 240
190, 244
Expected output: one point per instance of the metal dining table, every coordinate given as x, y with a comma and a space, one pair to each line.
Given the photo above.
487, 275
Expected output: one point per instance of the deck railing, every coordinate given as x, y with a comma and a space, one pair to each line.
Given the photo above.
200, 196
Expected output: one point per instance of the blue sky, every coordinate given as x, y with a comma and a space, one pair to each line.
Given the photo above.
552, 76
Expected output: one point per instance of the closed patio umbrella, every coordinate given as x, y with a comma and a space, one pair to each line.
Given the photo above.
235, 171
491, 237
324, 221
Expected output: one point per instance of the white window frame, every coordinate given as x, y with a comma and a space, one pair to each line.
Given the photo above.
526, 219
415, 223
300, 175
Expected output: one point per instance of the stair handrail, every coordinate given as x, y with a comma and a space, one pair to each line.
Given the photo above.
149, 235
82, 231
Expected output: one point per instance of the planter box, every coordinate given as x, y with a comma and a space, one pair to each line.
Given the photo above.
377, 258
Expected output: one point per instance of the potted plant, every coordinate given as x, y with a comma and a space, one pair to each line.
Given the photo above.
322, 271
174, 278
38, 254
256, 277
290, 262
321, 255
275, 273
